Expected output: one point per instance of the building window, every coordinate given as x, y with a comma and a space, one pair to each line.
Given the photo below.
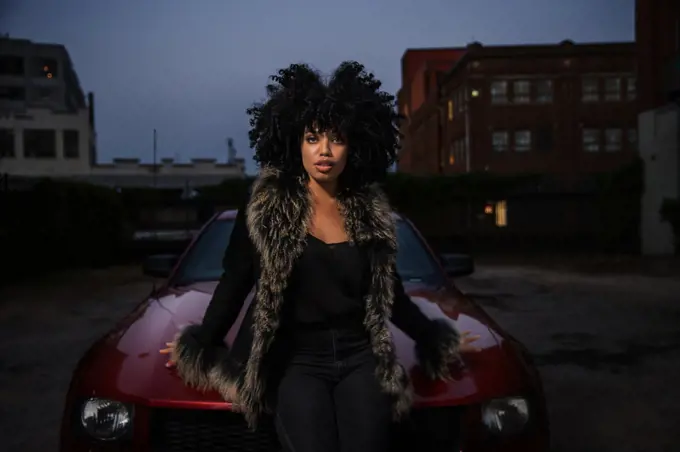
521, 91
633, 139
45, 68
7, 143
450, 110
500, 141
13, 93
522, 140
591, 140
544, 91
544, 139
11, 65
631, 88
612, 89
499, 92
452, 154
71, 145
501, 214
40, 143
590, 90
45, 93
612, 140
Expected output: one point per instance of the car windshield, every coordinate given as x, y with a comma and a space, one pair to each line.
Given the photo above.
203, 261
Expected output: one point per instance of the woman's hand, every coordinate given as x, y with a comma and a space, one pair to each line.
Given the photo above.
168, 351
466, 343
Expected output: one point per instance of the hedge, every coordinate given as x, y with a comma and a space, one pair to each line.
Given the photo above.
61, 224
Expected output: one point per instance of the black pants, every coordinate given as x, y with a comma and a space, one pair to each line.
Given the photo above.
329, 399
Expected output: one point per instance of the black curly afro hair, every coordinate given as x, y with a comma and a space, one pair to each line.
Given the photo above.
349, 103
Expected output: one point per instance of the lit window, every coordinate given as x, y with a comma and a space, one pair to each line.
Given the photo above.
522, 140
452, 152
45, 67
612, 140
591, 140
450, 110
590, 90
544, 91
499, 92
521, 91
631, 90
501, 214
499, 141
612, 89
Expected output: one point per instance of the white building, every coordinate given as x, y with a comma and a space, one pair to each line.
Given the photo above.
658, 40
47, 127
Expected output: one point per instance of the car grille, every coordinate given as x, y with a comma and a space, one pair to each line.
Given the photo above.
180, 430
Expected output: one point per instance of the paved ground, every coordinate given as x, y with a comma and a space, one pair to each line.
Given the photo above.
608, 349
44, 329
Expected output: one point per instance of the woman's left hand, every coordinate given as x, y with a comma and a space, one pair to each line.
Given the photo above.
466, 343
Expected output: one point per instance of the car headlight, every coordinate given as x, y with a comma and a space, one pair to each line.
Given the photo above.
105, 420
506, 416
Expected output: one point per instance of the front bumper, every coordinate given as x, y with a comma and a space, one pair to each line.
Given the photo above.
178, 430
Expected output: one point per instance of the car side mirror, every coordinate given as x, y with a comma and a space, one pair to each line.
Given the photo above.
159, 265
457, 264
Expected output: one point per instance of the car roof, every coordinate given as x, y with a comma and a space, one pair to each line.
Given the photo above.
231, 214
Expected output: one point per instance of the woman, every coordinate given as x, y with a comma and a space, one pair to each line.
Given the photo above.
317, 240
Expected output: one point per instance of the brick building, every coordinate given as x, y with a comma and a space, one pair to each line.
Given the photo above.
561, 109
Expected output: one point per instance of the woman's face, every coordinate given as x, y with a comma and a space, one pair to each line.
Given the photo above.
324, 155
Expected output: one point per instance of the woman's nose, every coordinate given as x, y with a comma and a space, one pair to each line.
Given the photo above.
325, 144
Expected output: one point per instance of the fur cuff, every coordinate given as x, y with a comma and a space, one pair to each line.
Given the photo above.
204, 367
439, 349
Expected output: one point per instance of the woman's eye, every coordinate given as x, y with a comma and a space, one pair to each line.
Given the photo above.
311, 139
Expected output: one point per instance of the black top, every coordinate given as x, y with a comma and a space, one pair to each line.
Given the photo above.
241, 264
326, 286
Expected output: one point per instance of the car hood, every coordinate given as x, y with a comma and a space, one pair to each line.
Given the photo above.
126, 364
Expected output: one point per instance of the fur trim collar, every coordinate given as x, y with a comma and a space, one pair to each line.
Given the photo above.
278, 215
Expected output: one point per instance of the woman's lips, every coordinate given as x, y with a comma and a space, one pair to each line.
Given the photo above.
323, 167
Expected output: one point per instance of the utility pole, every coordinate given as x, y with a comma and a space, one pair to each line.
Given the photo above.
155, 168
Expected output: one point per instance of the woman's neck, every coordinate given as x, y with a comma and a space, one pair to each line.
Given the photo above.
322, 193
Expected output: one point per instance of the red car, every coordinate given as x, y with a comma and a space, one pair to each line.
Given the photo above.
122, 397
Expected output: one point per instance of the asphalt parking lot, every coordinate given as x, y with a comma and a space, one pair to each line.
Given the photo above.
607, 346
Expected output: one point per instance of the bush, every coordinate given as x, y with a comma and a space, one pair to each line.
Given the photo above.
60, 224
670, 212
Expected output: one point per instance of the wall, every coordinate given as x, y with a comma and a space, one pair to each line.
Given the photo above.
659, 149
168, 167
45, 119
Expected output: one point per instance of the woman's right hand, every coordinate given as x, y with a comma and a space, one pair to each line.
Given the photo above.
169, 351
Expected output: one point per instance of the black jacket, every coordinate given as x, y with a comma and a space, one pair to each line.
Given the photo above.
268, 236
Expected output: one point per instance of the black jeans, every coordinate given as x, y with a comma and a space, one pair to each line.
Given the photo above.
329, 398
